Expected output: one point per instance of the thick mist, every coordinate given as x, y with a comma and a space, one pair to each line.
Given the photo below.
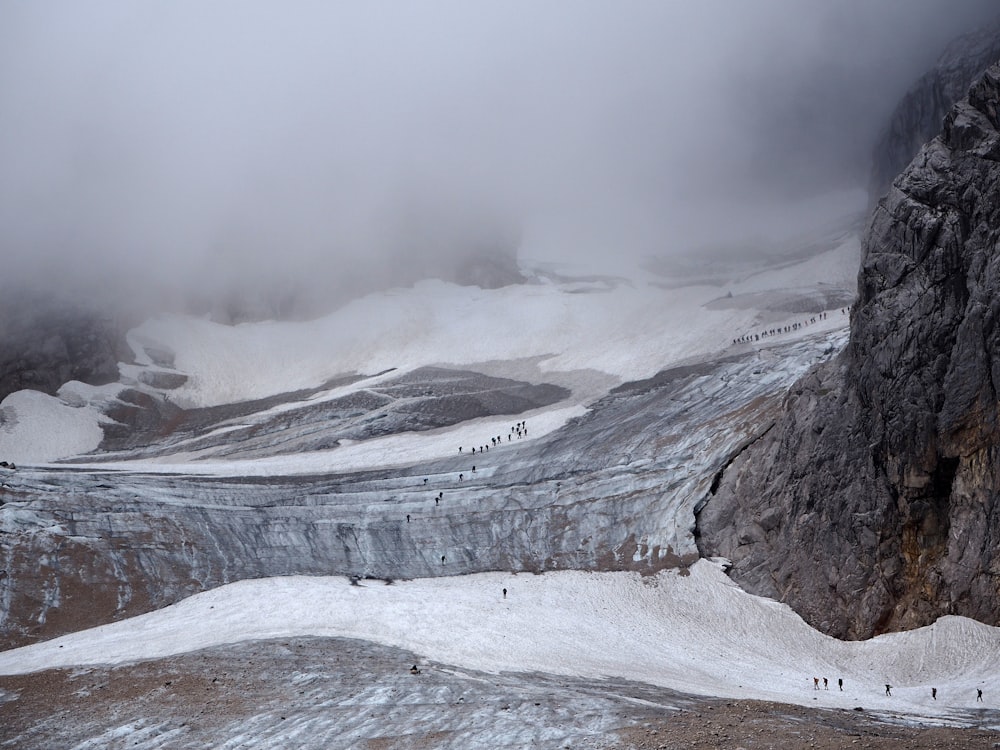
195, 148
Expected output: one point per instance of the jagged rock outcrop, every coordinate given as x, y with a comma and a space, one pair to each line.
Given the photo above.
872, 504
918, 116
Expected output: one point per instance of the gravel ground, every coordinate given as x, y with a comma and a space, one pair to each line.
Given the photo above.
338, 693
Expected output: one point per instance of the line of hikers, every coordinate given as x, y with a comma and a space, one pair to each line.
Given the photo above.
520, 429
888, 688
751, 337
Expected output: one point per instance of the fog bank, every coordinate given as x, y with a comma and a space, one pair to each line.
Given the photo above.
201, 147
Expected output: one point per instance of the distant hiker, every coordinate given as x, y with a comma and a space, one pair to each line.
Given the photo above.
425, 480
888, 690
473, 451
825, 685
461, 477
460, 449
508, 438
840, 683
815, 683
934, 693
979, 695
442, 559
441, 496
414, 669
437, 500
505, 593
407, 517
473, 469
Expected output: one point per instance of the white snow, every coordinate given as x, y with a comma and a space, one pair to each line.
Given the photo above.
629, 332
835, 268
36, 427
394, 450
698, 633
625, 330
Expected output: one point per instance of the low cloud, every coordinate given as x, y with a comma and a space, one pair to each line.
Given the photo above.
193, 147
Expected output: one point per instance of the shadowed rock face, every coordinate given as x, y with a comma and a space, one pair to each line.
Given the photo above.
920, 114
872, 504
44, 344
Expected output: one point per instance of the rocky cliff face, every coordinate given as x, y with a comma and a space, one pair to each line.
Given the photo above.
918, 116
871, 505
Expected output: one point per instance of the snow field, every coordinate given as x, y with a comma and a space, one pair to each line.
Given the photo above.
629, 332
698, 633
385, 452
36, 427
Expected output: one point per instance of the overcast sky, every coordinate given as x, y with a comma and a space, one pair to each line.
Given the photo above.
305, 138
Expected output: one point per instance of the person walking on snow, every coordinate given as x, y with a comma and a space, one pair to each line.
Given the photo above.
888, 690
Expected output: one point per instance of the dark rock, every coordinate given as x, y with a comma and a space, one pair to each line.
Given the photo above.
45, 343
163, 380
920, 114
880, 481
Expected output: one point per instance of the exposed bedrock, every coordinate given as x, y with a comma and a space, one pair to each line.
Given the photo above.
872, 504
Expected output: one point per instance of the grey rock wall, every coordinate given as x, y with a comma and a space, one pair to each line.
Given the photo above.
920, 114
872, 504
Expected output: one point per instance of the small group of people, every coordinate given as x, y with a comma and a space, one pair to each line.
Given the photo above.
888, 688
826, 684
979, 693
